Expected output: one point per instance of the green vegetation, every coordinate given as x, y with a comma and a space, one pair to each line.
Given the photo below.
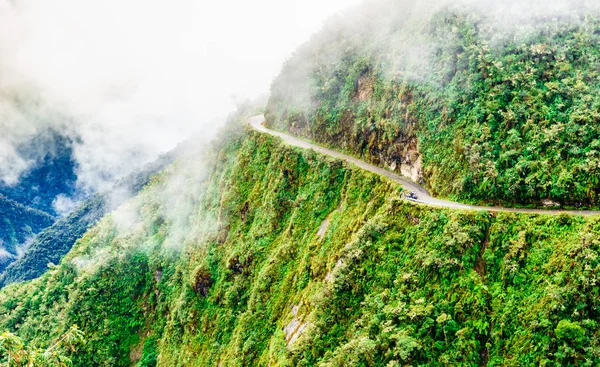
14, 353
260, 254
26, 208
501, 113
253, 253
53, 243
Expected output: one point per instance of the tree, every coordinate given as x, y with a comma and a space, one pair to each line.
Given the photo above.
14, 352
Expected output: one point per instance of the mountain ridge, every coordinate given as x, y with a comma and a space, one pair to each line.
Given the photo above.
489, 114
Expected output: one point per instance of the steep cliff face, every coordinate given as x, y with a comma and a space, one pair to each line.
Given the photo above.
499, 100
260, 254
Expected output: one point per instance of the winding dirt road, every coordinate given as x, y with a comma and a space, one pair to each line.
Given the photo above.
424, 198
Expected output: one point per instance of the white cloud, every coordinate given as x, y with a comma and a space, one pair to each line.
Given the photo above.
64, 205
136, 77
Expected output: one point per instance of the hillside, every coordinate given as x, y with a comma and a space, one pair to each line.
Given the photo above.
261, 254
251, 252
484, 102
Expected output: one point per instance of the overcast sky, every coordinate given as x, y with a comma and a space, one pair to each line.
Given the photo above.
158, 49
139, 75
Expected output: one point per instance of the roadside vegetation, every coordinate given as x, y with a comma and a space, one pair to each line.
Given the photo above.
254, 253
501, 112
269, 255
15, 353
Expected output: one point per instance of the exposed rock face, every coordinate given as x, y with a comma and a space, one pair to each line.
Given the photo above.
323, 228
202, 282
295, 328
325, 225
549, 203
158, 274
364, 87
411, 165
136, 352
329, 278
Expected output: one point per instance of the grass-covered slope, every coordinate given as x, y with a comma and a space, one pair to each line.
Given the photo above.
487, 102
267, 255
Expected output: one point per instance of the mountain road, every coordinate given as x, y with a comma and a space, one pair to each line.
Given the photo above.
423, 197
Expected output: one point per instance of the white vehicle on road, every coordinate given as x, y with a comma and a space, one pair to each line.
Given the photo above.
411, 196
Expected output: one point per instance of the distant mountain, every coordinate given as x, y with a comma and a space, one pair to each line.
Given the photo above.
54, 242
26, 208
17, 224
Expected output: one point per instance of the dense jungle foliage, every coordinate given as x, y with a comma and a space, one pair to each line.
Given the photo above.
261, 254
15, 353
504, 110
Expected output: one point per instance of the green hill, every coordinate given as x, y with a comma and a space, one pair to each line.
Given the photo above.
485, 102
254, 253
260, 254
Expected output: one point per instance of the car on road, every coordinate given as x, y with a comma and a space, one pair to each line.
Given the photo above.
411, 196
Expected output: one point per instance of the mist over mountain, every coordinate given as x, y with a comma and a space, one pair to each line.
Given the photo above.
130, 80
49, 183
45, 190
91, 92
335, 234
19, 225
